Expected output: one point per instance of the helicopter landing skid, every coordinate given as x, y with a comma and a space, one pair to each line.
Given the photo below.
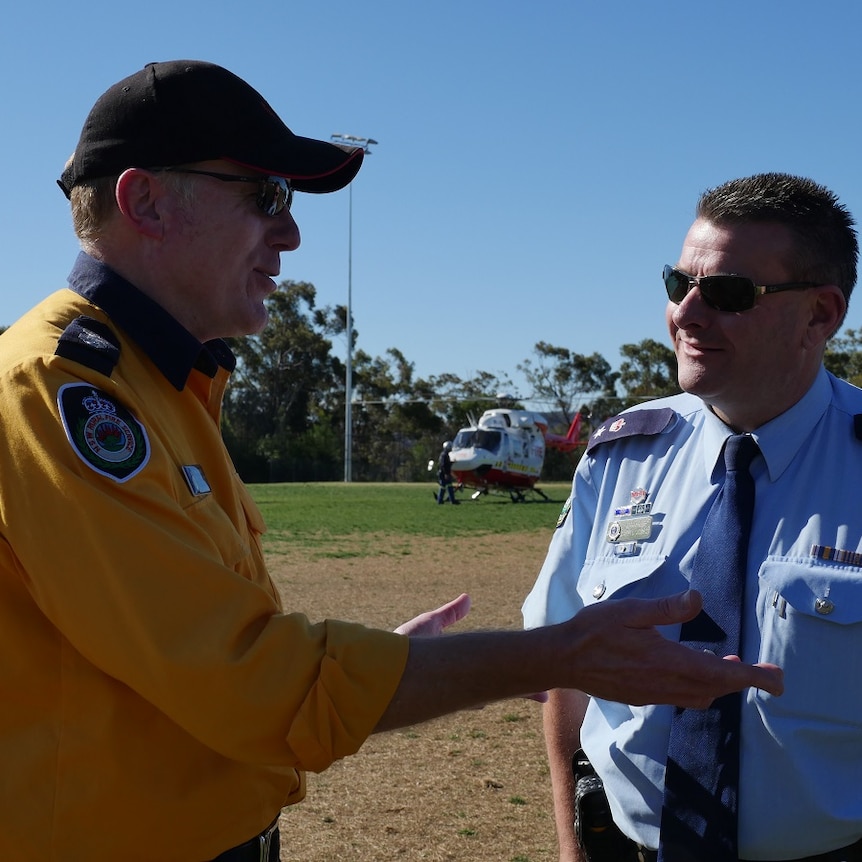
518, 495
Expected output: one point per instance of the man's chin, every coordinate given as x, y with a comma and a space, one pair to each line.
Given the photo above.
254, 322
695, 381
259, 326
240, 327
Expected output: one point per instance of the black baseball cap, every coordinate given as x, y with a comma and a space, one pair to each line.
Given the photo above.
186, 111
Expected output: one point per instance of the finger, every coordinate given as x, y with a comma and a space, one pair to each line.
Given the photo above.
431, 623
735, 676
771, 678
664, 611
454, 611
679, 608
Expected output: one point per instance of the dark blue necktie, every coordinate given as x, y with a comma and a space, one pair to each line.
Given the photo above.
699, 816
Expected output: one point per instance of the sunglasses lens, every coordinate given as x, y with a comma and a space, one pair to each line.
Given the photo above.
275, 195
721, 292
728, 292
676, 284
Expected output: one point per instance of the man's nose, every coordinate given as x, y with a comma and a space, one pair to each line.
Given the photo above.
288, 231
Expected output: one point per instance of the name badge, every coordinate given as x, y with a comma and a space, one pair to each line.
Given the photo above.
630, 529
196, 480
633, 523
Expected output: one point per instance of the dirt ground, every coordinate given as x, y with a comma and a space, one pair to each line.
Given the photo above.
470, 786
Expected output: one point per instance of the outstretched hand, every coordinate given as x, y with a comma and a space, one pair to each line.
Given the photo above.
626, 659
612, 650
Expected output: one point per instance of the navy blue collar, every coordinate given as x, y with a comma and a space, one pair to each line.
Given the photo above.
170, 346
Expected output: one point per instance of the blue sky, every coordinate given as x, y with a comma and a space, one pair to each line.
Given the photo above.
538, 162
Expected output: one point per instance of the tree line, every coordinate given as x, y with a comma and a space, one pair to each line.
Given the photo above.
283, 417
283, 414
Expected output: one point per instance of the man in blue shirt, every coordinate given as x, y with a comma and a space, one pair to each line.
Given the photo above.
750, 362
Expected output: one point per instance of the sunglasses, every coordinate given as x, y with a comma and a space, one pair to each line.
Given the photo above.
274, 194
723, 292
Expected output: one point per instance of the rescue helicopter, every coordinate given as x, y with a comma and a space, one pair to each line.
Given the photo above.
504, 451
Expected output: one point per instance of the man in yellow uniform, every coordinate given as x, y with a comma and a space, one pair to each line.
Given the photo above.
150, 671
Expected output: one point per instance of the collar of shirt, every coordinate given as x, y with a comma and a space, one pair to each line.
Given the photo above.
780, 438
168, 344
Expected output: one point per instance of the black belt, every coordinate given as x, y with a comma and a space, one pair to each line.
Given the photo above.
850, 853
261, 848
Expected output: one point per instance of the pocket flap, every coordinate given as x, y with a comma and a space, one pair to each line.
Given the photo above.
826, 592
620, 576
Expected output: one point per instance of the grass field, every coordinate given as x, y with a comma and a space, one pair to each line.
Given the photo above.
469, 786
309, 515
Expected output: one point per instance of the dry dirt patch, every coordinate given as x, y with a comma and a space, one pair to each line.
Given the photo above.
470, 786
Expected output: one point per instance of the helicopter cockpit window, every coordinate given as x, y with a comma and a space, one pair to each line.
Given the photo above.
463, 439
488, 440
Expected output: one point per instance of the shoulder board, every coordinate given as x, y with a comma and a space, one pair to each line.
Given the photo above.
857, 425
91, 343
636, 423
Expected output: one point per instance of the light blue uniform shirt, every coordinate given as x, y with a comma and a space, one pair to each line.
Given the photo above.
801, 759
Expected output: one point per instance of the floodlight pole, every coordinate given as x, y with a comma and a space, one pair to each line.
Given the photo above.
364, 143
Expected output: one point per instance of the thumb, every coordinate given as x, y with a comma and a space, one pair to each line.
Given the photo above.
677, 608
453, 611
687, 605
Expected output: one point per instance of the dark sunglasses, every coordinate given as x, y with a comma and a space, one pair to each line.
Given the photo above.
723, 292
274, 195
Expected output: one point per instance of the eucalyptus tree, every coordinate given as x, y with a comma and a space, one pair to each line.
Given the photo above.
280, 406
568, 380
843, 356
649, 370
391, 423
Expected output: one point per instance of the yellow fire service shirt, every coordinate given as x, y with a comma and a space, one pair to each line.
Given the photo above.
157, 702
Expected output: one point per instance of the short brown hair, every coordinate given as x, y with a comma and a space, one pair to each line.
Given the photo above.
826, 249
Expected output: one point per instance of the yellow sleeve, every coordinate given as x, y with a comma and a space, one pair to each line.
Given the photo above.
165, 593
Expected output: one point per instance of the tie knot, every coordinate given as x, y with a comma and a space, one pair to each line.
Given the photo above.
739, 452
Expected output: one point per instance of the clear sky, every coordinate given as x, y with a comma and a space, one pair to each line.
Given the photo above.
538, 162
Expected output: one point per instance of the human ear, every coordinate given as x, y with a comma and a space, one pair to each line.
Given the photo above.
139, 195
827, 309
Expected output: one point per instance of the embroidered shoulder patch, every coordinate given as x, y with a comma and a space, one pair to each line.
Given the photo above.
104, 434
564, 513
638, 422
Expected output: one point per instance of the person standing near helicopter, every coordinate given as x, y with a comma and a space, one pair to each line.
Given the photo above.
445, 477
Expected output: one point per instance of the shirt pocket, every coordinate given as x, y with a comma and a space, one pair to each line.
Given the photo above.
217, 534
620, 577
810, 617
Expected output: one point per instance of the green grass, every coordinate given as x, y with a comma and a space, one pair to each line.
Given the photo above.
306, 513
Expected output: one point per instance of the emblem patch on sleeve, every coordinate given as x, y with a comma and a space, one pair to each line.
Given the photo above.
567, 507
104, 435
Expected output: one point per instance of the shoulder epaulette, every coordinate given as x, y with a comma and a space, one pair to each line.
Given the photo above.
857, 425
91, 343
638, 422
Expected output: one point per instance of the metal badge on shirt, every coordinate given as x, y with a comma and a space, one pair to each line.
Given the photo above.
196, 479
632, 523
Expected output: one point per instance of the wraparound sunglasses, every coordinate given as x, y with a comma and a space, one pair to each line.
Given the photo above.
723, 292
